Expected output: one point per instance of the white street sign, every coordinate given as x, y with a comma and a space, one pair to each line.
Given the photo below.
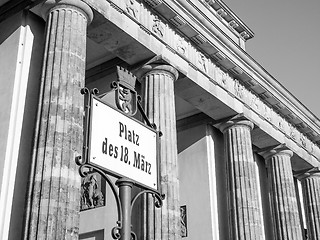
122, 145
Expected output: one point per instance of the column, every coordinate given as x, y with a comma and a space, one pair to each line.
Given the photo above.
242, 190
158, 91
53, 202
283, 201
311, 198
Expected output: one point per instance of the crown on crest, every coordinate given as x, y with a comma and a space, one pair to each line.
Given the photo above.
126, 78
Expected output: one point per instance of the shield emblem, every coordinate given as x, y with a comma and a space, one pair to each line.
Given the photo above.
126, 96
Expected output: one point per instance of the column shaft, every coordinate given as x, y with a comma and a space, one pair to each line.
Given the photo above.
159, 101
53, 210
286, 220
243, 201
311, 196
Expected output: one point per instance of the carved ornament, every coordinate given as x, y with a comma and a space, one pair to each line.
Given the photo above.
202, 62
91, 194
181, 46
158, 27
238, 89
132, 8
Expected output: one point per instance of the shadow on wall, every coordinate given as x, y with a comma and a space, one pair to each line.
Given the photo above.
202, 181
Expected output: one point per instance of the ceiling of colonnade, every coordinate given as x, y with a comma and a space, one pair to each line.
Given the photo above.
99, 57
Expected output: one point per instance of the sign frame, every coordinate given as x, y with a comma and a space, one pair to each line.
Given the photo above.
131, 118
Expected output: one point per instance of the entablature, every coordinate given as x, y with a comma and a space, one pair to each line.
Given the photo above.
236, 62
199, 50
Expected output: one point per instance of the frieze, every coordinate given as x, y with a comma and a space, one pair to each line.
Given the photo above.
254, 103
312, 146
181, 45
280, 123
292, 132
303, 140
228, 81
266, 112
158, 27
238, 89
221, 77
202, 62
132, 8
197, 59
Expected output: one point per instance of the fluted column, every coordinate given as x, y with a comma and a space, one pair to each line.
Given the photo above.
311, 196
243, 201
158, 90
283, 200
53, 208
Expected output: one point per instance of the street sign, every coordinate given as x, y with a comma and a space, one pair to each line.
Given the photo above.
123, 146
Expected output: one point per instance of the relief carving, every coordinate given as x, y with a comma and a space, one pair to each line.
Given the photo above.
303, 140
238, 89
224, 78
273, 116
183, 221
218, 74
281, 123
221, 77
259, 105
227, 80
91, 195
267, 113
157, 27
254, 102
202, 62
181, 46
292, 132
132, 8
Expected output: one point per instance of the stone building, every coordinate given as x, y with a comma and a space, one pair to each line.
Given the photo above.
239, 154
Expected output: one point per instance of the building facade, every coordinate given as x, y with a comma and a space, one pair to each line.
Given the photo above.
239, 155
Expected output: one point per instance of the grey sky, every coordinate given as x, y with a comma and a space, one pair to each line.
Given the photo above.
286, 43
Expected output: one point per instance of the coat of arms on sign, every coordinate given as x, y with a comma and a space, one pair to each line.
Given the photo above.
126, 96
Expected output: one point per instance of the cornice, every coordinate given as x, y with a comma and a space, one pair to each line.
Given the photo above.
227, 16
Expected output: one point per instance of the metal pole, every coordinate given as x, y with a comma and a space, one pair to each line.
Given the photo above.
125, 187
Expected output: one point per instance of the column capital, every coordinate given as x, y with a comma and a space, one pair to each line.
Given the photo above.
279, 150
48, 5
311, 175
157, 67
236, 123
